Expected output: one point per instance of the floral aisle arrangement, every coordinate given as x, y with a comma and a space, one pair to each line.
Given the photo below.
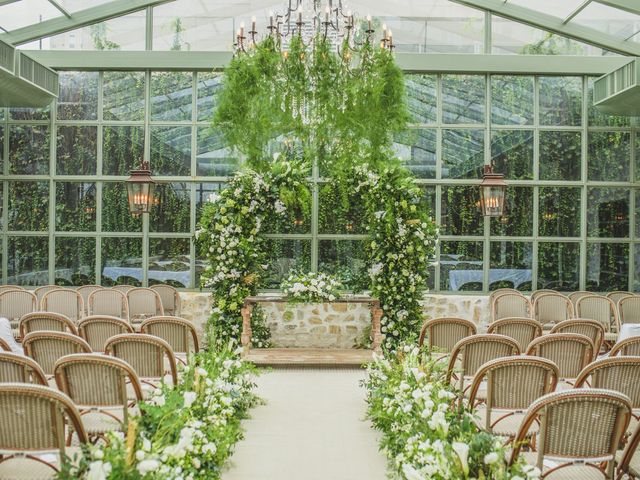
425, 434
186, 432
311, 287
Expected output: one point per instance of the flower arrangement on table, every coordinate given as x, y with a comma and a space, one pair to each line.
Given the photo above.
312, 287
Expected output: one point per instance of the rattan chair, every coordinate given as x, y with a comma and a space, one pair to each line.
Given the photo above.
147, 354
20, 369
512, 384
510, 305
110, 302
97, 329
179, 333
522, 330
619, 295
575, 296
551, 308
10, 287
37, 321
14, 304
590, 328
603, 310
580, 429
4, 346
98, 384
65, 301
143, 303
470, 353
626, 347
442, 334
122, 288
40, 291
85, 291
629, 309
629, 458
170, 299
571, 352
541, 291
500, 291
34, 422
47, 347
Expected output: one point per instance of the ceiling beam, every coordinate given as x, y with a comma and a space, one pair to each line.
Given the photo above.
82, 18
631, 6
60, 8
555, 25
577, 10
7, 2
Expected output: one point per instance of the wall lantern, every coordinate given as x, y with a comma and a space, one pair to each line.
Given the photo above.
140, 187
492, 192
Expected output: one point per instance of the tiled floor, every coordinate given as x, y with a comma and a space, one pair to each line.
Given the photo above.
311, 428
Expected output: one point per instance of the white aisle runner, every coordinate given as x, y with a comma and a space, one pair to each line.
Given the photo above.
311, 428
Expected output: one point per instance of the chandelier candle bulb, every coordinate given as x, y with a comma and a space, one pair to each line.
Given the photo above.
253, 23
326, 14
384, 31
369, 22
241, 31
271, 19
300, 15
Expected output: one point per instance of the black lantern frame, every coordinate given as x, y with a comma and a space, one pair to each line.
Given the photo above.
141, 189
492, 193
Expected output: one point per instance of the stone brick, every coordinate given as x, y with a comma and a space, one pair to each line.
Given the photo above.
315, 320
339, 307
320, 329
334, 329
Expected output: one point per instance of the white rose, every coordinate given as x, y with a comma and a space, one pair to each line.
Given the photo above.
491, 458
147, 466
98, 470
189, 398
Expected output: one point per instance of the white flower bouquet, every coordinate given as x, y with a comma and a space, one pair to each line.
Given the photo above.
311, 287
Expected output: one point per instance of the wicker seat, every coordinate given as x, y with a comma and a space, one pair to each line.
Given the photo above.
510, 305
603, 310
40, 291
442, 334
20, 369
589, 328
110, 302
470, 353
575, 296
85, 291
522, 330
143, 303
47, 347
147, 354
37, 321
551, 308
97, 329
179, 333
580, 430
14, 304
170, 299
98, 386
512, 384
571, 352
65, 301
34, 422
630, 346
629, 309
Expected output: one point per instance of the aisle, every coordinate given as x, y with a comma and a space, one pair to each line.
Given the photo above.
310, 429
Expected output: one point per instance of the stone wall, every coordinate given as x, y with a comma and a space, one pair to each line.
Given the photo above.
335, 325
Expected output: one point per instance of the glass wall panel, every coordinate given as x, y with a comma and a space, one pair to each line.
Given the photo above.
346, 260
285, 256
609, 156
599, 118
78, 97
43, 113
559, 211
339, 213
123, 96
510, 265
171, 151
461, 211
76, 150
116, 216
607, 212
512, 153
430, 199
607, 267
559, 266
297, 219
169, 262
560, 154
75, 261
462, 153
463, 98
122, 150
461, 266
422, 96
636, 272
75, 206
214, 158
512, 100
27, 261
209, 84
28, 206
417, 149
204, 192
171, 96
2, 130
172, 209
29, 149
121, 261
560, 100
517, 220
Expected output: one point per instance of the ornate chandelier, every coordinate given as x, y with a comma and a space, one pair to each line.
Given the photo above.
308, 20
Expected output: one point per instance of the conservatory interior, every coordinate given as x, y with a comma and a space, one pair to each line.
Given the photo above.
319, 239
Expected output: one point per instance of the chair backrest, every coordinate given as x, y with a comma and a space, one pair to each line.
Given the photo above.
97, 380
584, 326
552, 308
40, 291
145, 353
575, 296
475, 351
500, 291
176, 331
65, 301
36, 321
4, 346
510, 305
47, 347
621, 374
122, 288
34, 418
20, 369
85, 291
628, 346
170, 299
444, 333
602, 309
629, 309
144, 303
16, 303
581, 423
571, 352
619, 295
97, 329
539, 292
10, 287
522, 330
109, 301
